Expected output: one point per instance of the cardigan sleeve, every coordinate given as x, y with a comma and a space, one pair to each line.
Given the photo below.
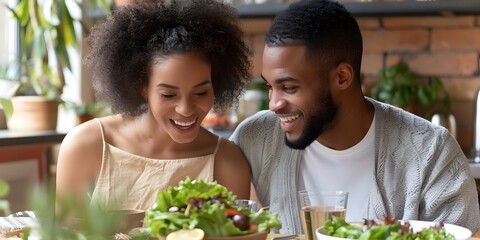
253, 136
274, 166
421, 172
450, 193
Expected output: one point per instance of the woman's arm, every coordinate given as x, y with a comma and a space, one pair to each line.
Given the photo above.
79, 161
232, 169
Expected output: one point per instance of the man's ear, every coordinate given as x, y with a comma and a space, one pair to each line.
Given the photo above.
343, 75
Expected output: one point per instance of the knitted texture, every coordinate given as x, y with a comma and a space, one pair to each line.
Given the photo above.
421, 172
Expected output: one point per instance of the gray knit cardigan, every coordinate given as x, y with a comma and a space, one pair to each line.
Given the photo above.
420, 173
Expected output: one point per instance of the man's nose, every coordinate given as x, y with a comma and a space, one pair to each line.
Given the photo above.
276, 101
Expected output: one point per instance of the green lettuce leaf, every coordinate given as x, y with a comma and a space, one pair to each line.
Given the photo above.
211, 217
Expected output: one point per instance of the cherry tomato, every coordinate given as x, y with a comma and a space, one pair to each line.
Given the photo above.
231, 212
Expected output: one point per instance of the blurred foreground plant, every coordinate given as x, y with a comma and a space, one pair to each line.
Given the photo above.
4, 190
70, 218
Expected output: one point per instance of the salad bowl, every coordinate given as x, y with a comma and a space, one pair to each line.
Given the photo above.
207, 206
254, 236
459, 233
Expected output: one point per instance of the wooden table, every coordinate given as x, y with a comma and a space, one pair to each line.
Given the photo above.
270, 236
476, 236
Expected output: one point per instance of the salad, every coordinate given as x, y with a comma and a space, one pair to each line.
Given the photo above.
387, 228
207, 206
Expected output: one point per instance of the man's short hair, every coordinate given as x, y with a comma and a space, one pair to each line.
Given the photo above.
329, 32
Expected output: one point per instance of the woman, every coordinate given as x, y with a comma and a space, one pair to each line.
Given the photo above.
162, 67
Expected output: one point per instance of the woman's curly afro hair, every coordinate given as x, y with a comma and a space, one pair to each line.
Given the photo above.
125, 46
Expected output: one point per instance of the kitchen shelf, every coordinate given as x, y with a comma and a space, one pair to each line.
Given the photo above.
376, 8
357, 8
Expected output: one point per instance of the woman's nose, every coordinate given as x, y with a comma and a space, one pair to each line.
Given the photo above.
186, 107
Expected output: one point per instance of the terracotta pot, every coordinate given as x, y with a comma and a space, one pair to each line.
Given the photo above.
83, 118
409, 108
33, 113
3, 120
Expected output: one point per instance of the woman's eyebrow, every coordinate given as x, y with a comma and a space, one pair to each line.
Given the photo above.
165, 85
206, 82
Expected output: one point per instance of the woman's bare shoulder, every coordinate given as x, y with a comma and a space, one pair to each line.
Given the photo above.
79, 159
84, 133
90, 132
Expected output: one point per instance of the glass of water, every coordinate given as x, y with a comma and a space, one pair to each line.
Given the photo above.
319, 206
246, 203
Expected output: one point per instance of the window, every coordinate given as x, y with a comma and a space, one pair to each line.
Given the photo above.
8, 35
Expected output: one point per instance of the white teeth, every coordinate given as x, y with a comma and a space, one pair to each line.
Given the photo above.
184, 124
289, 118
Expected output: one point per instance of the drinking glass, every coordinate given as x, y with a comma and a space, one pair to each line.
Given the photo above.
246, 203
319, 206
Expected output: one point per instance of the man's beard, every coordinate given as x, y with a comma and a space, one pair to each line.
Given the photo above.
319, 120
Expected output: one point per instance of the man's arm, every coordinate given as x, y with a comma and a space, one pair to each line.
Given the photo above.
450, 192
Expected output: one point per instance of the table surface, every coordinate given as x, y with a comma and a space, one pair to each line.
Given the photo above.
476, 236
14, 138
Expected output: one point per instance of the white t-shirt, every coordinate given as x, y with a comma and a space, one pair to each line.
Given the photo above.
351, 170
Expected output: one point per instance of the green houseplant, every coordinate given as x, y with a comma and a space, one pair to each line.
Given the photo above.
397, 85
8, 87
47, 32
87, 111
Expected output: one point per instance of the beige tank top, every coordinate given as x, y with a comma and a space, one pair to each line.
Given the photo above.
131, 182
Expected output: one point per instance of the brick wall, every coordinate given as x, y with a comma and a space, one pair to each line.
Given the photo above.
446, 46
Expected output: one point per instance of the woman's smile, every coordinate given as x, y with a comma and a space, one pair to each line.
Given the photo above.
184, 125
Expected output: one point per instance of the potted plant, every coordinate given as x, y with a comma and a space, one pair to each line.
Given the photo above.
8, 87
87, 111
398, 86
47, 32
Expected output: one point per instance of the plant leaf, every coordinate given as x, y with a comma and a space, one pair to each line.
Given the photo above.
67, 30
62, 53
8, 110
4, 188
22, 12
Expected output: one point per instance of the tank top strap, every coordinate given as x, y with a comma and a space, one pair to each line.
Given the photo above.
218, 146
101, 130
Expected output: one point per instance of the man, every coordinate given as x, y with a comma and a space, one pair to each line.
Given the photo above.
322, 133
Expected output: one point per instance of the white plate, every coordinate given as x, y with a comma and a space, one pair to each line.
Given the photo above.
460, 233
